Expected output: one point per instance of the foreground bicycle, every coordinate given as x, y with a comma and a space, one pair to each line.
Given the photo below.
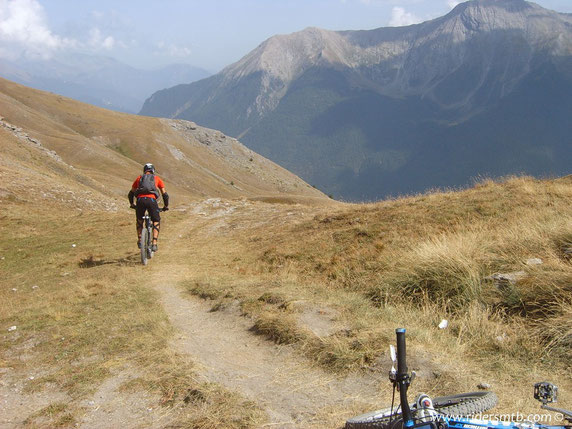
446, 412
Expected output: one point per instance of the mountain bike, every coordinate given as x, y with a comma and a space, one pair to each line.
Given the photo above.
146, 240
449, 412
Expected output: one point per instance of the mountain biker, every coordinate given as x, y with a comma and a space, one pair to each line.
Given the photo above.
146, 188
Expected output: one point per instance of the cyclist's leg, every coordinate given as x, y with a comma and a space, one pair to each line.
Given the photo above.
156, 229
155, 218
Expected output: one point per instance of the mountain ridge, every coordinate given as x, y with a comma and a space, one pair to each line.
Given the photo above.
443, 75
282, 58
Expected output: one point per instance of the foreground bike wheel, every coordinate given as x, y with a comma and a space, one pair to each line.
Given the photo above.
384, 419
144, 243
464, 404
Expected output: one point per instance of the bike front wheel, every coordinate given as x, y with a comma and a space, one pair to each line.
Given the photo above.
150, 244
461, 405
144, 242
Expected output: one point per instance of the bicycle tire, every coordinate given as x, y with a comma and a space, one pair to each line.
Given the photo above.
144, 243
463, 404
380, 419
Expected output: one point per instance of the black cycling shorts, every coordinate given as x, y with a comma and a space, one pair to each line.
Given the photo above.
149, 205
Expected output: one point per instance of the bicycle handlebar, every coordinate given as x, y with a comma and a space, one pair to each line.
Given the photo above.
403, 378
164, 209
401, 352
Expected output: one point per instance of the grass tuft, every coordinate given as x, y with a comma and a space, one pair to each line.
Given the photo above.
280, 328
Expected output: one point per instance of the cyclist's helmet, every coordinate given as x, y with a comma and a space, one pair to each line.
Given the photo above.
149, 167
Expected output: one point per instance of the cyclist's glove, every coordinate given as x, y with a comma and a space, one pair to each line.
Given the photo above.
133, 206
130, 196
166, 200
165, 209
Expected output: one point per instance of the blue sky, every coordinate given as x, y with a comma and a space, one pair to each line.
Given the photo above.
206, 33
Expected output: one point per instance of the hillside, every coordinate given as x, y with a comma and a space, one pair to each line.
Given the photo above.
265, 307
255, 313
104, 151
482, 91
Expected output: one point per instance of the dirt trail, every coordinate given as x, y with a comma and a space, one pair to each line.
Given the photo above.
292, 392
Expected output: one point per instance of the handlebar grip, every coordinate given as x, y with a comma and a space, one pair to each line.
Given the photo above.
401, 352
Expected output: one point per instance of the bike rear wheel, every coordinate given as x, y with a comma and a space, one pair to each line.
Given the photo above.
464, 404
144, 241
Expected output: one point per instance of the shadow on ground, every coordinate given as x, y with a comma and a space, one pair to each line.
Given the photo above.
91, 262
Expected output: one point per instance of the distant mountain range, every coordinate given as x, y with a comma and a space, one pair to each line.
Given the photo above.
98, 80
484, 91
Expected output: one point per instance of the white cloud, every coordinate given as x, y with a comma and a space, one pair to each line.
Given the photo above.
98, 41
172, 50
179, 51
24, 30
399, 17
453, 3
23, 27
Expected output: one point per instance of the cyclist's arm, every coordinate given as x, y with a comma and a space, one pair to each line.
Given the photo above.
131, 193
165, 196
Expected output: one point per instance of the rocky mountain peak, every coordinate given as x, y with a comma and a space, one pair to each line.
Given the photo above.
541, 28
508, 5
491, 15
495, 14
284, 56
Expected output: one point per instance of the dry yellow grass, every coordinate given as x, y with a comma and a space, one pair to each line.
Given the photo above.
85, 311
332, 280
72, 286
411, 262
